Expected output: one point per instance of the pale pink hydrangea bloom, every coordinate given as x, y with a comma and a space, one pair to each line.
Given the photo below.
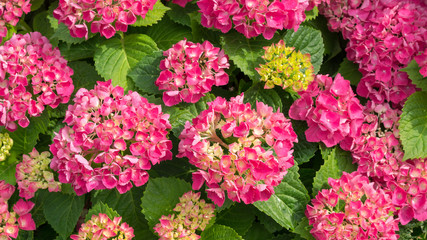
237, 149
110, 140
32, 75
253, 17
10, 12
33, 173
190, 70
191, 214
20, 216
334, 114
353, 208
384, 36
104, 16
101, 227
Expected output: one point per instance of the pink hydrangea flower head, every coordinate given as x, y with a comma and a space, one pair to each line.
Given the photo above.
17, 218
103, 16
34, 173
32, 76
190, 70
6, 143
110, 141
253, 18
286, 67
331, 110
10, 12
190, 214
237, 149
102, 227
353, 208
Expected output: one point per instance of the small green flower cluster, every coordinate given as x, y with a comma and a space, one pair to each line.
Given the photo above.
286, 67
6, 144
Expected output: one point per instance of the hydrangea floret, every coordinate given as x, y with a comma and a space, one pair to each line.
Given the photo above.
6, 143
286, 67
104, 16
334, 114
190, 70
422, 62
191, 214
237, 149
103, 228
32, 75
34, 173
18, 218
255, 17
10, 12
353, 208
111, 139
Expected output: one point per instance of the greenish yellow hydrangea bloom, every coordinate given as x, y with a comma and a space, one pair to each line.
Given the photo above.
6, 144
286, 67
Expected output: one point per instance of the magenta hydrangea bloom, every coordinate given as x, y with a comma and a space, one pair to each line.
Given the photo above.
104, 16
237, 149
33, 173
19, 217
32, 75
422, 62
384, 36
365, 214
334, 114
102, 227
190, 70
111, 140
253, 17
10, 12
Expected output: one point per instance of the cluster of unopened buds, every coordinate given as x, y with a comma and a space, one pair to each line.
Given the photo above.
104, 16
190, 70
103, 228
334, 115
237, 149
32, 75
286, 67
110, 140
191, 214
19, 218
10, 12
253, 18
33, 173
6, 143
353, 208
384, 36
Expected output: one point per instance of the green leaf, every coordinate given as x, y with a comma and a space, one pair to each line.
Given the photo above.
267, 96
220, 232
258, 231
7, 172
303, 150
331, 40
152, 16
307, 40
36, 4
246, 53
146, 72
101, 208
63, 33
336, 162
62, 211
37, 212
86, 49
25, 235
127, 205
269, 223
41, 24
239, 217
178, 117
303, 229
312, 14
413, 126
350, 71
288, 204
181, 15
161, 196
166, 33
85, 75
413, 70
115, 57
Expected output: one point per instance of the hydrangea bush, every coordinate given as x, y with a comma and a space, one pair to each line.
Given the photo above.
206, 119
